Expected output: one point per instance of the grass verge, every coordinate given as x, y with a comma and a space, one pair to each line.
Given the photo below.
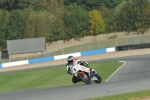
49, 77
139, 95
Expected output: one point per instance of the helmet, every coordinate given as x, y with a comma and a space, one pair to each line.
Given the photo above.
70, 59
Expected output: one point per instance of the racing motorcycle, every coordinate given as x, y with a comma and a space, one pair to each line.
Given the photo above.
84, 74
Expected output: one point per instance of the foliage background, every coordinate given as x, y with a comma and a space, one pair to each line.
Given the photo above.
67, 19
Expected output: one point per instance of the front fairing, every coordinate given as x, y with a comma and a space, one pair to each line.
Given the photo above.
75, 68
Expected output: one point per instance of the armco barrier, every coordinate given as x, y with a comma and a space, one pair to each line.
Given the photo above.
38, 60
0, 65
66, 55
113, 49
17, 63
92, 52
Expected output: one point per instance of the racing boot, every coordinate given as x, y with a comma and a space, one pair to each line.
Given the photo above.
92, 77
93, 71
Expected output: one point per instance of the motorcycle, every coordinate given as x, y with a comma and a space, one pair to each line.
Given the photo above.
84, 74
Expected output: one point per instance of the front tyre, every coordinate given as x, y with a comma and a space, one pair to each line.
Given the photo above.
99, 79
85, 80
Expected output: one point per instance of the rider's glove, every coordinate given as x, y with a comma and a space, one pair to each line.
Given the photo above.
79, 61
92, 70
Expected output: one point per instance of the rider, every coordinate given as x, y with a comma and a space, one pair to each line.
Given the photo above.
71, 59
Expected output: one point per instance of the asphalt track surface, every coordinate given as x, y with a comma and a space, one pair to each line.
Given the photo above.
133, 76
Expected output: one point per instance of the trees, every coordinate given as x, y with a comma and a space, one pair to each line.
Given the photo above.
118, 21
38, 24
133, 16
48, 5
110, 3
4, 16
108, 17
142, 11
17, 24
51, 19
14, 4
57, 31
57, 28
94, 4
85, 4
75, 21
96, 22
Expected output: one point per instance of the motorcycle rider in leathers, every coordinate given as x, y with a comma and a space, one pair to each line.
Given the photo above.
71, 59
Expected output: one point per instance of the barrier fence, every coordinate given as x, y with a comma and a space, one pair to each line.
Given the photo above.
85, 53
95, 45
38, 60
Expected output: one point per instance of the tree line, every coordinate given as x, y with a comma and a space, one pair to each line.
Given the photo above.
63, 20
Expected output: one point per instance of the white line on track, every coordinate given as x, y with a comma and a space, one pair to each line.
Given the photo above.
116, 70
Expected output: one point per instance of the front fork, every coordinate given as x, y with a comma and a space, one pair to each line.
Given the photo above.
82, 73
92, 73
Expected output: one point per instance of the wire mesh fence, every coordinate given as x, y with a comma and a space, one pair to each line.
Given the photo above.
96, 44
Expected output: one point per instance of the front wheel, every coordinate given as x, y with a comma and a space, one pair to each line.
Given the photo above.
86, 80
99, 79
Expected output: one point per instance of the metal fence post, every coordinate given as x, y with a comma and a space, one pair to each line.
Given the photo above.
80, 47
98, 44
101, 45
75, 50
116, 41
62, 51
9, 58
44, 54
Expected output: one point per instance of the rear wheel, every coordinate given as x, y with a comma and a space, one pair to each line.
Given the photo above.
99, 79
75, 80
86, 79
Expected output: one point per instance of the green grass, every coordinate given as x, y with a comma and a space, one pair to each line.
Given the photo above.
49, 77
138, 95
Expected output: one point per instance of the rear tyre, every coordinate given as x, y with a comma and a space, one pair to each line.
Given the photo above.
99, 79
75, 80
85, 80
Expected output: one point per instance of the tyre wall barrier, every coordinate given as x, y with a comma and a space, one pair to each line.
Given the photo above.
133, 46
51, 58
